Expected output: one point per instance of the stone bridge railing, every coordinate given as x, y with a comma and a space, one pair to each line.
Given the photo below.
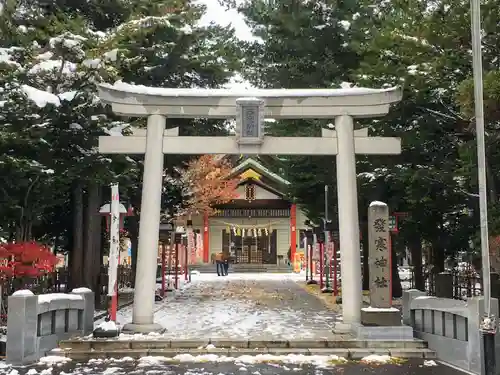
450, 326
36, 324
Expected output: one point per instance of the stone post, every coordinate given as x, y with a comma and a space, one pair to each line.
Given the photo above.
444, 285
348, 221
380, 312
22, 328
88, 309
408, 297
475, 306
379, 256
149, 227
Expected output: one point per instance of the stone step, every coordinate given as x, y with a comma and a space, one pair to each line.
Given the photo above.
110, 344
347, 353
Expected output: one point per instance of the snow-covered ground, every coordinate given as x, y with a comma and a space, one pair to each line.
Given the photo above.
210, 364
242, 306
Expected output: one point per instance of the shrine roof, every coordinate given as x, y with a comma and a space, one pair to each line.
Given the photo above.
265, 186
253, 164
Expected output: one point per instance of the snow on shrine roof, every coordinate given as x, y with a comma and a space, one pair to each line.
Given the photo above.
253, 163
236, 93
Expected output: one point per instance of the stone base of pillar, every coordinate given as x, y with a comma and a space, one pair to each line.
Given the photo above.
142, 328
342, 328
380, 317
382, 333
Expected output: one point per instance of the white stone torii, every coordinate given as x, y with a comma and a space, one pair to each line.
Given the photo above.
249, 107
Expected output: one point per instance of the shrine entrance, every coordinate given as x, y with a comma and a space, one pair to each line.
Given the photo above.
250, 246
249, 108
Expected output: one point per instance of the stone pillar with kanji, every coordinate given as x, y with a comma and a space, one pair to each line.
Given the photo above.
380, 312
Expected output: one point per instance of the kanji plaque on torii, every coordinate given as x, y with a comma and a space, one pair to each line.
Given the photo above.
249, 108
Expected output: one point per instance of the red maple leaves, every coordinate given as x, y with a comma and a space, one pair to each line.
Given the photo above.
209, 182
26, 259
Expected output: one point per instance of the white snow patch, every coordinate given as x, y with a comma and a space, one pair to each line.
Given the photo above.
378, 203
107, 326
257, 93
375, 358
65, 67
430, 363
47, 298
296, 359
111, 55
81, 290
53, 359
23, 292
111, 370
381, 309
39, 97
345, 24
45, 56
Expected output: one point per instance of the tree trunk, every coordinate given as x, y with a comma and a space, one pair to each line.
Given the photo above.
492, 190
91, 216
415, 246
76, 254
97, 244
438, 257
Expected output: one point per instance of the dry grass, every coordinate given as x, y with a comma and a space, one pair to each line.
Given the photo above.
330, 301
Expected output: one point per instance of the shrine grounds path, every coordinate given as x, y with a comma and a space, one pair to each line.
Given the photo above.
242, 306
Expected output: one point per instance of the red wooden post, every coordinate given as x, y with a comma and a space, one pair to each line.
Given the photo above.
330, 266
206, 239
335, 283
186, 267
390, 266
176, 272
170, 269
321, 265
293, 233
163, 270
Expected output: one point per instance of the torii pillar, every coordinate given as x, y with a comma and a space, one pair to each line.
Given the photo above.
249, 107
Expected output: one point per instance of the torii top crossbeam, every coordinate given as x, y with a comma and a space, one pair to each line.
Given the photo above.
136, 100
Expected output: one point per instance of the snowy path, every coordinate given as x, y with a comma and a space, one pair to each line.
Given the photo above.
242, 306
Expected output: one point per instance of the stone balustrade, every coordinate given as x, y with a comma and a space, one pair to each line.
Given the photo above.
36, 323
450, 326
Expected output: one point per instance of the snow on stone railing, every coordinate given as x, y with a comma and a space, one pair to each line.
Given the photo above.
36, 324
450, 326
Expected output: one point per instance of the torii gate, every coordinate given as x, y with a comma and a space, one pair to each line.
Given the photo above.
249, 107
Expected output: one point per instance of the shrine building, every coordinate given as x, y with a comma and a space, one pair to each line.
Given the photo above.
260, 225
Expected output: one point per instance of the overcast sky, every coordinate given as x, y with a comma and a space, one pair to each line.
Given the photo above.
216, 13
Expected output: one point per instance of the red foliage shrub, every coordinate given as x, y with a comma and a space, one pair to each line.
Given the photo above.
26, 259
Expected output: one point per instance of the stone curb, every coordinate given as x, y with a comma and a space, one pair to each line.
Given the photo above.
241, 344
349, 354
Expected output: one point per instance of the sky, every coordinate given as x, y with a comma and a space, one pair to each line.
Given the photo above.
216, 13
219, 15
